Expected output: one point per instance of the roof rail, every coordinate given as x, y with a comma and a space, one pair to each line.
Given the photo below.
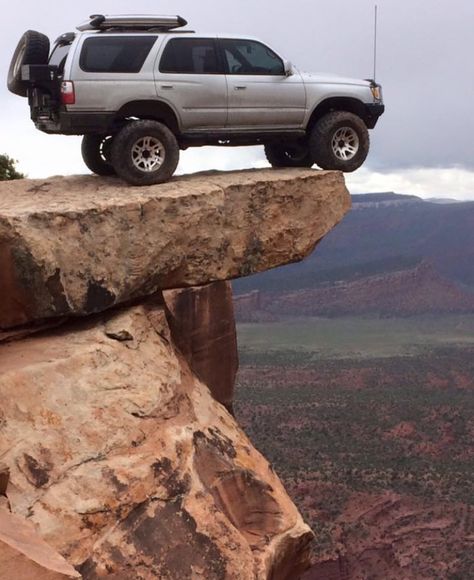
132, 22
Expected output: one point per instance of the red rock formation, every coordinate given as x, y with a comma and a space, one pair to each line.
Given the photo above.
391, 537
203, 328
333, 569
25, 556
419, 290
116, 450
122, 459
249, 308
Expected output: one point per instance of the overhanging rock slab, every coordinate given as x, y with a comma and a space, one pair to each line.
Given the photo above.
82, 244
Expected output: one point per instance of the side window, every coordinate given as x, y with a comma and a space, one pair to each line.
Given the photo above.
115, 54
58, 56
249, 57
60, 52
190, 56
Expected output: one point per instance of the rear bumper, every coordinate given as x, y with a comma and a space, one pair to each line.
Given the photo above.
372, 113
67, 123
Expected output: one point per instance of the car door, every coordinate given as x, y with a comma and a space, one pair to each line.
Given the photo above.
191, 79
261, 94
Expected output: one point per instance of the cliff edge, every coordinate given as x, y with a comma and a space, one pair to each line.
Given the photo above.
121, 455
80, 245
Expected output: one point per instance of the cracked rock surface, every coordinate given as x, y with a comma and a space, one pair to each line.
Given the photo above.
126, 465
80, 245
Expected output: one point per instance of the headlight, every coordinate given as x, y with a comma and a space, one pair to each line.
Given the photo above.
376, 92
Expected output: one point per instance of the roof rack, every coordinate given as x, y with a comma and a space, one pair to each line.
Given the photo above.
132, 22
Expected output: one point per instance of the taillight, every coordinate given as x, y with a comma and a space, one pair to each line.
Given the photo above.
68, 96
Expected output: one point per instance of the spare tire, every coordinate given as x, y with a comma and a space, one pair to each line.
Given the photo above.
33, 48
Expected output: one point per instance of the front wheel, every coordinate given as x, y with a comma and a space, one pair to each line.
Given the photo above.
145, 152
96, 153
289, 155
340, 140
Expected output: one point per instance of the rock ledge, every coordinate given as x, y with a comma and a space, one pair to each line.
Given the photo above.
79, 245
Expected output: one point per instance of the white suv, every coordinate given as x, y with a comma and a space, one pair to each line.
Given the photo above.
140, 88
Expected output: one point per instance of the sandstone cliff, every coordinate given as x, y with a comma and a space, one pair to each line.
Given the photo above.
123, 461
79, 245
120, 453
25, 555
203, 328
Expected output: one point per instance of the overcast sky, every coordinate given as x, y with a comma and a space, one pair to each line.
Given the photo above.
424, 144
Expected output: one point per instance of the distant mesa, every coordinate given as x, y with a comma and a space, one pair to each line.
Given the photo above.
387, 199
391, 234
415, 291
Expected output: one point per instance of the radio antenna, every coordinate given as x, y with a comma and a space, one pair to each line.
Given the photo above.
375, 41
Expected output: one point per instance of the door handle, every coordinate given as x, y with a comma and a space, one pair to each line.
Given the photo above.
168, 87
240, 88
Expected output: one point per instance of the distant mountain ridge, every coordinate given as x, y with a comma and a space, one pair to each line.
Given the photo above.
443, 200
386, 233
420, 290
385, 199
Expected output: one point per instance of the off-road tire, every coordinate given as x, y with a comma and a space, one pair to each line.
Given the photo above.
279, 155
132, 134
323, 133
33, 48
96, 152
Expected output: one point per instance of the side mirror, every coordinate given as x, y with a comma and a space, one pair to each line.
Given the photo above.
288, 68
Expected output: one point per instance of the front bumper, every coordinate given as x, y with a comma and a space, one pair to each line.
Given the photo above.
372, 113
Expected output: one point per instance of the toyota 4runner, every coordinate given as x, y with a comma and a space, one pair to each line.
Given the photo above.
140, 88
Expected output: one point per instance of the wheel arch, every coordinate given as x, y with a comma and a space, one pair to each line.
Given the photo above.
151, 110
349, 104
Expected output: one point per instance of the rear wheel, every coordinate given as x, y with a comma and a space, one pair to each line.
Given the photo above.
340, 140
145, 152
96, 152
33, 48
290, 155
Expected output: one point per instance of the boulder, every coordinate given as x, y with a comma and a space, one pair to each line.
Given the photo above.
203, 328
80, 245
24, 555
128, 467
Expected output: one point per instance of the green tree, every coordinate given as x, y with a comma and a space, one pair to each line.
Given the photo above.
8, 169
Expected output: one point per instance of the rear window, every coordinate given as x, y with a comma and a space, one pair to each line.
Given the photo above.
190, 56
115, 54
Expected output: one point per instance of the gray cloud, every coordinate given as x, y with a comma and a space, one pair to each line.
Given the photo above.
425, 65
